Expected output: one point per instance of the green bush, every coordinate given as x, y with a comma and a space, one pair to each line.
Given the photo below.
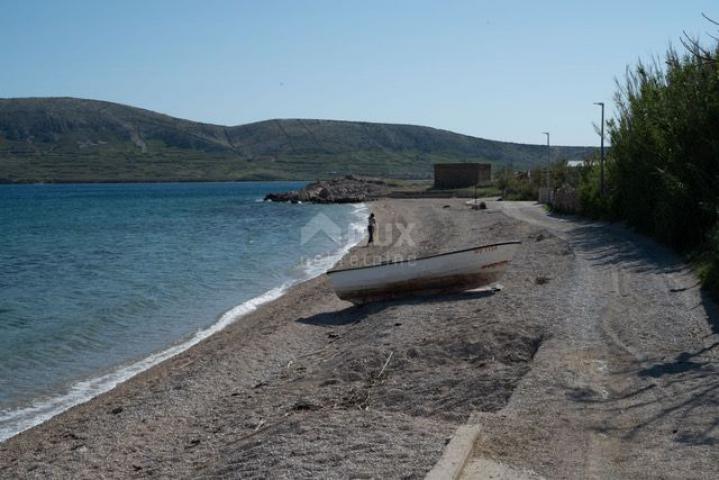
525, 185
594, 205
518, 186
663, 171
665, 148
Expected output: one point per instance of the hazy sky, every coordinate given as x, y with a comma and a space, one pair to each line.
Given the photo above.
504, 70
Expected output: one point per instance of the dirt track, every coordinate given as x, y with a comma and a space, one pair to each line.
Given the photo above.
627, 383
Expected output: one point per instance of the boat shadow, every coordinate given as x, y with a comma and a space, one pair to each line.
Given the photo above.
357, 313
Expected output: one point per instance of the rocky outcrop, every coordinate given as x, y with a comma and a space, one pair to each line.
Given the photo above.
349, 189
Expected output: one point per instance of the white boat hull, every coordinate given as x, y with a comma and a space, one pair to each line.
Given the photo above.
436, 274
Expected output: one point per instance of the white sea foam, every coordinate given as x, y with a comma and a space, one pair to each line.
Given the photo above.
15, 421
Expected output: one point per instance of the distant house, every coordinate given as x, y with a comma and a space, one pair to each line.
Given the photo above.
460, 175
575, 163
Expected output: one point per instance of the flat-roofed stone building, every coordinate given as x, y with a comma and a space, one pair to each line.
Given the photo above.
460, 175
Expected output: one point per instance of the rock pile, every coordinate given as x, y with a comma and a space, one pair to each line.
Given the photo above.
349, 189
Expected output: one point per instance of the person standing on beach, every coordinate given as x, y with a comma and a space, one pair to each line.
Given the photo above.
370, 228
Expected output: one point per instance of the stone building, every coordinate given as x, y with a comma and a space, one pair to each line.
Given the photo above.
460, 175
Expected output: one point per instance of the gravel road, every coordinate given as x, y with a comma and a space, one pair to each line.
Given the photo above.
626, 383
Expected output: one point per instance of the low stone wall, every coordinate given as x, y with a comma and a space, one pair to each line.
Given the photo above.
563, 199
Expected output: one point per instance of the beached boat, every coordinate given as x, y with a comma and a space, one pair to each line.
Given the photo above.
436, 274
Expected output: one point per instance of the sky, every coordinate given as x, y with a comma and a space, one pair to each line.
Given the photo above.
504, 70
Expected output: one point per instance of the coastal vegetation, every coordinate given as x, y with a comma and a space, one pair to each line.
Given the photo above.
76, 140
525, 185
662, 170
663, 167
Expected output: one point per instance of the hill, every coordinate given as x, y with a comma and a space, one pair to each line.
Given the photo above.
68, 139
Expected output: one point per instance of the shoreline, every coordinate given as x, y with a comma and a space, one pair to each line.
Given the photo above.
83, 391
299, 374
106, 182
579, 349
89, 389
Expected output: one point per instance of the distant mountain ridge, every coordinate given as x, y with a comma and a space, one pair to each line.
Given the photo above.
69, 139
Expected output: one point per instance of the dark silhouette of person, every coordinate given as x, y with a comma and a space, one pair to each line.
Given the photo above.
370, 228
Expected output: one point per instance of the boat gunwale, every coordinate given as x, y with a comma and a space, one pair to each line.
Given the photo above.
397, 262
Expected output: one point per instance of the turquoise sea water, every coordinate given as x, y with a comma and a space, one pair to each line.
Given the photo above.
98, 282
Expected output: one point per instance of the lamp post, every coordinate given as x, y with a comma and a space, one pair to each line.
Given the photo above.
601, 161
549, 158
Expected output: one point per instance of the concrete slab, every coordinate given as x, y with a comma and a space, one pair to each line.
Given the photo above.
455, 455
487, 469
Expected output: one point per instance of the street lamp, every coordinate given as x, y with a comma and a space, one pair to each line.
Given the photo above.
549, 158
601, 162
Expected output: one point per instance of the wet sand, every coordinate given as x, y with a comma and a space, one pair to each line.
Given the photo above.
294, 390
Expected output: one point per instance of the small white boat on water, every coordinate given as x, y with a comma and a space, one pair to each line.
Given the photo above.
436, 274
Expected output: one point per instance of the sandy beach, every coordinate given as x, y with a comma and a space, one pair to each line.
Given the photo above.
309, 386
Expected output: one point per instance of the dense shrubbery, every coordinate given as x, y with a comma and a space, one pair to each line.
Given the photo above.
663, 171
665, 143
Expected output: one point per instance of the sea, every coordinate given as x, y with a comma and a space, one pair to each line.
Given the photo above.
99, 282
